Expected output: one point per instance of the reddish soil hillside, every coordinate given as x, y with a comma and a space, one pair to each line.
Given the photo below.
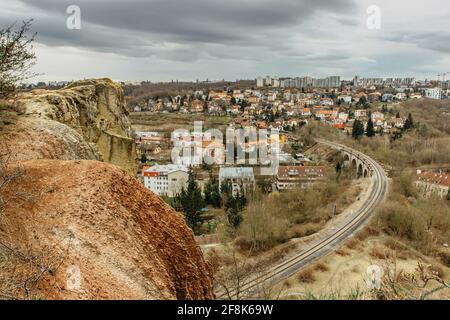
127, 243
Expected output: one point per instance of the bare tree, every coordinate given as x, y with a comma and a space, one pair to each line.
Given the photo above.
23, 266
232, 274
398, 284
25, 269
8, 173
16, 57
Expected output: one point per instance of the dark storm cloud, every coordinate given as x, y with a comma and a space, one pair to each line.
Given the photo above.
437, 41
142, 28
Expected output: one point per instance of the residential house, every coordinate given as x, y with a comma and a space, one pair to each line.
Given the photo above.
361, 113
401, 96
197, 106
387, 97
306, 112
345, 99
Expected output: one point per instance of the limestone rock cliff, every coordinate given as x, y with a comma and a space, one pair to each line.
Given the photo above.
88, 117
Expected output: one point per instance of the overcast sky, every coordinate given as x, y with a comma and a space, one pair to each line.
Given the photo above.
198, 39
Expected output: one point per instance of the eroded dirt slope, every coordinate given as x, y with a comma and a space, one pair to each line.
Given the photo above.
127, 243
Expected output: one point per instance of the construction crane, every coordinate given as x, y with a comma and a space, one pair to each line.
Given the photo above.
447, 86
443, 75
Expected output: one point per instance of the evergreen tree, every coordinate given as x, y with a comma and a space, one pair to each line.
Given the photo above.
212, 193
208, 192
234, 215
192, 202
351, 114
409, 123
338, 170
216, 198
233, 209
265, 185
370, 129
358, 129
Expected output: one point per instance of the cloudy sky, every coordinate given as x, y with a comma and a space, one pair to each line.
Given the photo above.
198, 39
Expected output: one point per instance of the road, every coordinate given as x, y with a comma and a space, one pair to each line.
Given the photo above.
323, 246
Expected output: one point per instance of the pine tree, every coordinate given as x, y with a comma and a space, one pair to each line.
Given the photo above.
226, 189
233, 209
212, 193
216, 198
358, 129
207, 193
409, 123
370, 129
338, 167
338, 171
192, 202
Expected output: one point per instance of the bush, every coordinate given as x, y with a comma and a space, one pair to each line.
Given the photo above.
402, 221
368, 231
321, 267
406, 185
306, 276
352, 243
380, 253
263, 225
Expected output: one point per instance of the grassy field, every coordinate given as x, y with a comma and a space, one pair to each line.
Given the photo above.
168, 122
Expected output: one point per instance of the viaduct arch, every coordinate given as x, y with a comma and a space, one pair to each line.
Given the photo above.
362, 168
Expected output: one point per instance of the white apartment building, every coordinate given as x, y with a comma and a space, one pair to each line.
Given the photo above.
166, 180
430, 182
260, 82
241, 178
434, 93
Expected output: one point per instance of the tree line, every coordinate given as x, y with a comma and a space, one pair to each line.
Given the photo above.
193, 202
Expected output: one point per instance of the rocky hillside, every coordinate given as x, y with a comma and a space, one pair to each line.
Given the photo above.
86, 120
73, 227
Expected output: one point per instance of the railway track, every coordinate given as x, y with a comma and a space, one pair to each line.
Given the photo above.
327, 243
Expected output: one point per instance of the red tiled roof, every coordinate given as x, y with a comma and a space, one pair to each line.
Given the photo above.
442, 179
295, 172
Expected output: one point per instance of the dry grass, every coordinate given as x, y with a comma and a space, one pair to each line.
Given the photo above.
368, 231
306, 276
321, 267
380, 252
342, 252
304, 230
355, 269
419, 222
353, 244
